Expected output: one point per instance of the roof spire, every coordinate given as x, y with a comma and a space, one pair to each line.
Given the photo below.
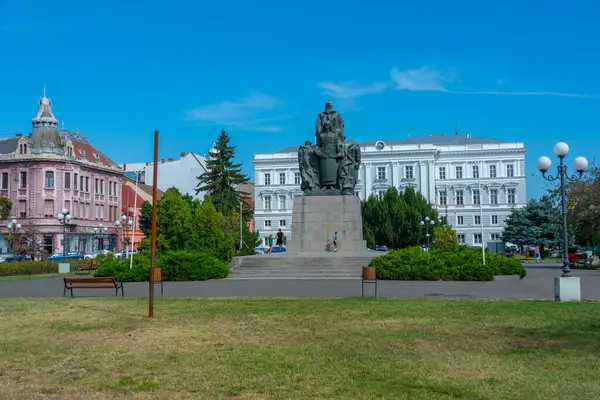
456, 128
44, 89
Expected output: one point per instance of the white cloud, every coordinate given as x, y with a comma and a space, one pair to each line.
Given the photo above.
349, 90
244, 114
429, 79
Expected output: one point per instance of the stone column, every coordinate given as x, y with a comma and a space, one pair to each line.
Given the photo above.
368, 180
396, 175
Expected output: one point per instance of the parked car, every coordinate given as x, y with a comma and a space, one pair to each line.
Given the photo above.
381, 248
261, 250
125, 253
72, 255
90, 256
9, 257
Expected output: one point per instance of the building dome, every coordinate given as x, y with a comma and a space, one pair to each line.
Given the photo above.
45, 137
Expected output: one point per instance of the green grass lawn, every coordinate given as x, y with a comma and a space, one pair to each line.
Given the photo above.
532, 260
299, 349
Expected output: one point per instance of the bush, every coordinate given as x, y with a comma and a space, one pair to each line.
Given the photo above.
461, 264
175, 265
33, 267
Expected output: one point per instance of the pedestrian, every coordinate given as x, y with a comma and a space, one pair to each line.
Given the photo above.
335, 241
270, 243
279, 239
537, 255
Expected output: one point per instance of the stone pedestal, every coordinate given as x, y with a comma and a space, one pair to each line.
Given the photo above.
567, 288
316, 218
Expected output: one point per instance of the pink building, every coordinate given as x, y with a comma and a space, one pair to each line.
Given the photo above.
53, 169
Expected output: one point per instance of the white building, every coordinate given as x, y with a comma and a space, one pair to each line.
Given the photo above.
454, 172
181, 174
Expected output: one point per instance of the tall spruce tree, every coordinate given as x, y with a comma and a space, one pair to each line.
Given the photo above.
221, 180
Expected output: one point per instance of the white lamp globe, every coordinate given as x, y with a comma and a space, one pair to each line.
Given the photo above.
561, 149
95, 230
431, 222
422, 222
9, 225
18, 226
580, 164
100, 226
124, 217
543, 163
60, 216
426, 218
14, 221
64, 211
130, 222
68, 217
117, 223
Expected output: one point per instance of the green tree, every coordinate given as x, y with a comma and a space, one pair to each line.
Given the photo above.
445, 238
145, 219
394, 220
536, 224
223, 177
5, 207
173, 221
584, 207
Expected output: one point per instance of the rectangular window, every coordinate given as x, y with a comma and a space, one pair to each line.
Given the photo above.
68, 206
102, 211
495, 236
49, 181
116, 190
87, 184
22, 209
408, 172
75, 178
101, 186
267, 179
510, 170
511, 196
49, 208
494, 220
282, 223
442, 198
282, 178
67, 180
460, 220
23, 180
267, 223
381, 173
476, 196
282, 202
357, 194
458, 172
477, 238
81, 185
97, 211
493, 196
492, 171
110, 187
96, 186
444, 219
442, 172
5, 181
297, 180
381, 193
459, 198
461, 238
477, 220
267, 205
475, 171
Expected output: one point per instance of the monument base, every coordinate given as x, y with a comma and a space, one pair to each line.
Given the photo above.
315, 219
567, 288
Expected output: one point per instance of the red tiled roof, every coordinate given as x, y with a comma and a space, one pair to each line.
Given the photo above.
89, 152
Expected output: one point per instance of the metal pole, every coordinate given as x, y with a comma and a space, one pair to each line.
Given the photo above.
241, 241
64, 236
427, 230
481, 213
563, 201
153, 240
134, 218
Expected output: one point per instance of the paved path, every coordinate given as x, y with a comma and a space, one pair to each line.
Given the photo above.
539, 284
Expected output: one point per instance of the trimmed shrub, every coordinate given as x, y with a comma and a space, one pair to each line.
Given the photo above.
34, 267
175, 265
461, 264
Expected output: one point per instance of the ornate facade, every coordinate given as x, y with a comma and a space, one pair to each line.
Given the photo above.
473, 182
53, 169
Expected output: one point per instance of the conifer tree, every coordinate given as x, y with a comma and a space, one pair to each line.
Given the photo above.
223, 177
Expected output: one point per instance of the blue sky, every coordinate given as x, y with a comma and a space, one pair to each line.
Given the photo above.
512, 70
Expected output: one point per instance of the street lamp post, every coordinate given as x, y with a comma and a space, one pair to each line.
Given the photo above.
64, 218
13, 227
426, 223
100, 231
120, 224
561, 149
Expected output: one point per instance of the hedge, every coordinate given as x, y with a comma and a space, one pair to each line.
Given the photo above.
461, 264
16, 268
175, 265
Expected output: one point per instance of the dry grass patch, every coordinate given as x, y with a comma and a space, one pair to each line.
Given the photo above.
298, 349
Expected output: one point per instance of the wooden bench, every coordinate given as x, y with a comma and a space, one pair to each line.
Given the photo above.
158, 278
93, 283
85, 267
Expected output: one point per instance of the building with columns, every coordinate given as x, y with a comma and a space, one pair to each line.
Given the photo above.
474, 182
52, 169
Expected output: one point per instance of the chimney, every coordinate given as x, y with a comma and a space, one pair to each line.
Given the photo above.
124, 167
182, 154
170, 159
162, 160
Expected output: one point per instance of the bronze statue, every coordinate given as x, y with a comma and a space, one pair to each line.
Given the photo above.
331, 166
